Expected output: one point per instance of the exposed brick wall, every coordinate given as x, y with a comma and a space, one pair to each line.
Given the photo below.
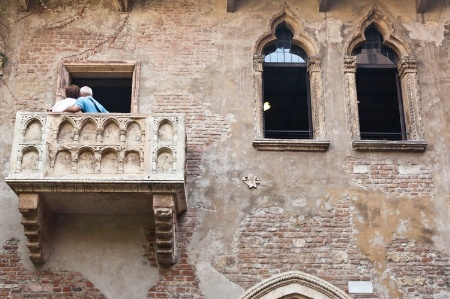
177, 42
39, 59
179, 280
203, 128
270, 241
18, 282
420, 271
391, 177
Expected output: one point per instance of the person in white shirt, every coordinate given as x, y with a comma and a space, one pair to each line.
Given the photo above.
72, 94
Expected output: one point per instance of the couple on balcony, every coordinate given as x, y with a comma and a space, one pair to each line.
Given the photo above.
79, 99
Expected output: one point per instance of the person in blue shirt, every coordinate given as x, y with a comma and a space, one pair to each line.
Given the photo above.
86, 103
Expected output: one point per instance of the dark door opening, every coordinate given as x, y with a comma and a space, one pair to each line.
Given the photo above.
113, 93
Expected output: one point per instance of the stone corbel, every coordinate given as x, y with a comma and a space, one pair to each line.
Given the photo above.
24, 5
323, 5
230, 5
37, 222
122, 5
165, 228
421, 6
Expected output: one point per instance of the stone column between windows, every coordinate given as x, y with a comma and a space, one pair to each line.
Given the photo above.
258, 61
351, 95
410, 92
317, 106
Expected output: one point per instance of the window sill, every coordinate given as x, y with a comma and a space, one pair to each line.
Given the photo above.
309, 145
383, 145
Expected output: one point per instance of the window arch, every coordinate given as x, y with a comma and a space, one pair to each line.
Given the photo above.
381, 88
288, 89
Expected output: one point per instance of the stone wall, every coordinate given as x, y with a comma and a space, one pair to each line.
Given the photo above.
340, 214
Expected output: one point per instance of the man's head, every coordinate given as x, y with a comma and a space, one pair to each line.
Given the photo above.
85, 91
72, 91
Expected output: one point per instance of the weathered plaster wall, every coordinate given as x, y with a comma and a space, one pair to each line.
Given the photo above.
340, 214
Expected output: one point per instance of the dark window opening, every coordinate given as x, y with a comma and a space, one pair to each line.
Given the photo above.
380, 104
286, 91
113, 93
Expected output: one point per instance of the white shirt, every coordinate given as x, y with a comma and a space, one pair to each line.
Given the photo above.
62, 105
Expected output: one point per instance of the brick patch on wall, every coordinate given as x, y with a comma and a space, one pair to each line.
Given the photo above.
391, 177
270, 241
203, 128
179, 280
18, 282
420, 271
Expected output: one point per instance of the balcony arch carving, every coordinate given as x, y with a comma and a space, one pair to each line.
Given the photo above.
294, 284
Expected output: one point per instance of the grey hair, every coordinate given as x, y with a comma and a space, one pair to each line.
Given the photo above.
85, 91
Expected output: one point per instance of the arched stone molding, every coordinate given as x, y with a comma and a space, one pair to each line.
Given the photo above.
291, 21
110, 132
408, 81
164, 160
300, 38
29, 159
294, 284
382, 23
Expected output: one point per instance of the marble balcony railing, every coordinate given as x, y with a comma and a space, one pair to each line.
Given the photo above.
98, 164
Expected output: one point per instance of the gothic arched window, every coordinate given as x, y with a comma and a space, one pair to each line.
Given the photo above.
380, 104
286, 93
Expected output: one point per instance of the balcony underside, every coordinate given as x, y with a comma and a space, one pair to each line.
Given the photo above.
107, 197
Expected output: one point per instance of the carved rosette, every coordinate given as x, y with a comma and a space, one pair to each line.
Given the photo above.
37, 222
350, 95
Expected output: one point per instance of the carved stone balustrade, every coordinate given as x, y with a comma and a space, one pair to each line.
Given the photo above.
98, 164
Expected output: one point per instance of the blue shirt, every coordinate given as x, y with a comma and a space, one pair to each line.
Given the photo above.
90, 105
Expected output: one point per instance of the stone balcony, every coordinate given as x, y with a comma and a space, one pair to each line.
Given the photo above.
98, 164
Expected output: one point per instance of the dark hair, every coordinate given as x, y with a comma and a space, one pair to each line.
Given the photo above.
72, 91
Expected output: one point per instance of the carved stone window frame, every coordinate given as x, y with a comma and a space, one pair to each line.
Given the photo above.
407, 70
301, 39
116, 69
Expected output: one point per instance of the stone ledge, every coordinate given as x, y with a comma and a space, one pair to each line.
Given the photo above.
291, 145
384, 145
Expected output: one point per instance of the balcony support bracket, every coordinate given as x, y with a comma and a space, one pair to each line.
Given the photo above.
165, 228
37, 222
